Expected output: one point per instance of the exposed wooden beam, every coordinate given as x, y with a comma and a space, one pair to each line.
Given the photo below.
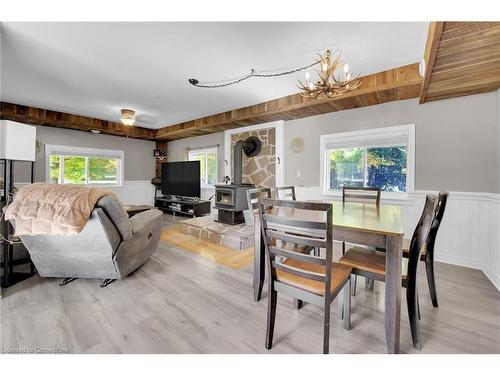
466, 61
394, 84
45, 117
431, 49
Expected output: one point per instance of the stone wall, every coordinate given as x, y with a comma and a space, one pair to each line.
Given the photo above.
259, 170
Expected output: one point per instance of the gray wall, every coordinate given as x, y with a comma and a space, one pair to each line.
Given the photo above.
139, 163
456, 141
176, 150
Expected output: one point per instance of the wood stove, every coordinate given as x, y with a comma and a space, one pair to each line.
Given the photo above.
230, 200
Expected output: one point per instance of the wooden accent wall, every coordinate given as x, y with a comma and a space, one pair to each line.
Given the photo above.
162, 146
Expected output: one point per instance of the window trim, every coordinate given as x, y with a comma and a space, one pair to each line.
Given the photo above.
86, 152
405, 130
207, 150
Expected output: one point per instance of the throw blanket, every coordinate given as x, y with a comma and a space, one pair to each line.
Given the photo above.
52, 209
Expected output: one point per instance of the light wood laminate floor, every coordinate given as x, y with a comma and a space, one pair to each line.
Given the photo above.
181, 303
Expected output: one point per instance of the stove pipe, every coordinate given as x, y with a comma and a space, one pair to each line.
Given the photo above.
251, 147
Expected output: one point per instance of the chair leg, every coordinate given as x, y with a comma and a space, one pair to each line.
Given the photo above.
326, 329
271, 317
354, 279
429, 269
346, 311
369, 283
343, 248
298, 304
411, 300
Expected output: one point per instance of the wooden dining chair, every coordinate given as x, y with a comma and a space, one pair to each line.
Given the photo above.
371, 264
427, 254
253, 196
306, 277
361, 194
285, 193
369, 195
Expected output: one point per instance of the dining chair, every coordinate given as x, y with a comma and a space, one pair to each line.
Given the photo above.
361, 194
252, 201
370, 263
369, 195
313, 279
285, 193
427, 254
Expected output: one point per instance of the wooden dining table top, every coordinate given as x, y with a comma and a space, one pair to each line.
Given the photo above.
383, 219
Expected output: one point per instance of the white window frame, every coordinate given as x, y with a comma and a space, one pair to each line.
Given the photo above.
84, 152
407, 131
205, 151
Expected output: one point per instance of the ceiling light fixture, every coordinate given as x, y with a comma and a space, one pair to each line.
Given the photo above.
331, 82
128, 117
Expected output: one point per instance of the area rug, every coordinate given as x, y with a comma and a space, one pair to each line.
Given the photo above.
234, 259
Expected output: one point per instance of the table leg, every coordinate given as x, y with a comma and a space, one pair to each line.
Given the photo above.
393, 261
259, 260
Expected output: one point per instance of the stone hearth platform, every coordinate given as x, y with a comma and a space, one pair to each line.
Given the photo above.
238, 237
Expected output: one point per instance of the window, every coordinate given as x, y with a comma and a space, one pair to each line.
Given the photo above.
83, 166
380, 158
208, 164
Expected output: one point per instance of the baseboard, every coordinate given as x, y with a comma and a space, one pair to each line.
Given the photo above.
459, 261
494, 278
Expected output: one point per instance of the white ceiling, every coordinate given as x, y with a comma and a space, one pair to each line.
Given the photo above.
94, 69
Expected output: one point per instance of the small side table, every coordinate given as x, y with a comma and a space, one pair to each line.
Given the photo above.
136, 209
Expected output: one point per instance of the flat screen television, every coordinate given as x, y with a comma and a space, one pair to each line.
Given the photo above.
181, 178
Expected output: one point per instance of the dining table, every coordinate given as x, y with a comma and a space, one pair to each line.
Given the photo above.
362, 224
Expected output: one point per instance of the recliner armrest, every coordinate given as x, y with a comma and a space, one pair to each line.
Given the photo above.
142, 221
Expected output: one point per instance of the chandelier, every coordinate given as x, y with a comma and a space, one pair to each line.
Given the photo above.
331, 81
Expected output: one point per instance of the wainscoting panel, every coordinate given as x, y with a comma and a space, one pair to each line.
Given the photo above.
135, 192
469, 235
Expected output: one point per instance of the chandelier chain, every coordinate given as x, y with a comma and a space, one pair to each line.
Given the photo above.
253, 73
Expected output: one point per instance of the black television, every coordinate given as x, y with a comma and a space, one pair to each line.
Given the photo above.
181, 178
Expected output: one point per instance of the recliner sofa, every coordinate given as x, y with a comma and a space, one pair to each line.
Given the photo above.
110, 246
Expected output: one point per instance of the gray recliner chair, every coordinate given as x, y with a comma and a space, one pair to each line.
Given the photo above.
109, 247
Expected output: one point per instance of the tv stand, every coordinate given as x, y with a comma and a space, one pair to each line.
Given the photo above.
182, 205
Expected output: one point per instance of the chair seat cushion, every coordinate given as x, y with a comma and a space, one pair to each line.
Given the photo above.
369, 260
339, 275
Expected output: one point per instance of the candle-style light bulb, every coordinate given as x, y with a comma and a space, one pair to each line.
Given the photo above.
324, 66
346, 68
308, 75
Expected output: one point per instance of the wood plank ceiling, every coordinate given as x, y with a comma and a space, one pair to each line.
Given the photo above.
462, 58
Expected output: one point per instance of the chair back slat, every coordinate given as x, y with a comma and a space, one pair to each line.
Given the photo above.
361, 195
279, 224
299, 272
304, 238
283, 252
285, 193
252, 201
284, 221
